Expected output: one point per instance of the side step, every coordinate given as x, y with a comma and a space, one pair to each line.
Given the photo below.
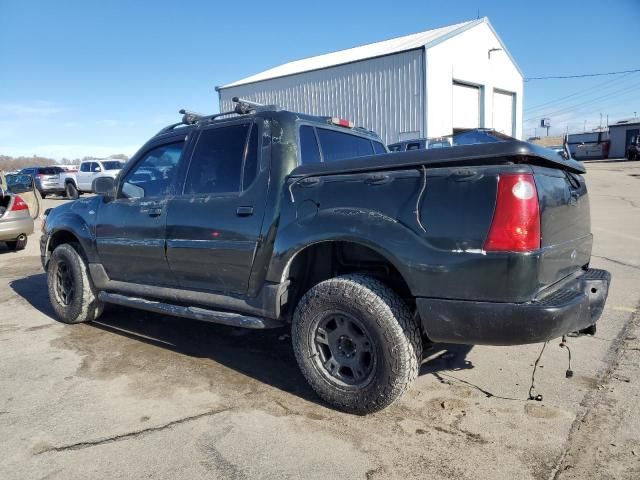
195, 313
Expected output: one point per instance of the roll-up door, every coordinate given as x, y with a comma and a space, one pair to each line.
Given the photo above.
503, 112
466, 106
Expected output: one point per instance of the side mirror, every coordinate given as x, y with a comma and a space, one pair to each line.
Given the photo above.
104, 186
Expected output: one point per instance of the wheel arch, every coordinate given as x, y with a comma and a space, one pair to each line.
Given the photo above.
330, 257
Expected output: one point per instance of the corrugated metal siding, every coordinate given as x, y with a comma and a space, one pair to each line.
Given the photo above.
383, 94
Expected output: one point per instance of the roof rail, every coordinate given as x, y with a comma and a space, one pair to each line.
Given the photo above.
242, 107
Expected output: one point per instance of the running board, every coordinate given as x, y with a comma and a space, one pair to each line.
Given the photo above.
225, 318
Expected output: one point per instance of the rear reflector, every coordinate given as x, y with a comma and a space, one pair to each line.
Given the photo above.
341, 122
516, 220
19, 204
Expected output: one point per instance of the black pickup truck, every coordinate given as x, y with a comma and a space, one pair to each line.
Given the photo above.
264, 218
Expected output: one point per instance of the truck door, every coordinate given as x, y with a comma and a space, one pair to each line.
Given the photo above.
84, 175
130, 230
214, 225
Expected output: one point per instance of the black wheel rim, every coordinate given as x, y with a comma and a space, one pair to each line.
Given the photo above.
65, 287
343, 349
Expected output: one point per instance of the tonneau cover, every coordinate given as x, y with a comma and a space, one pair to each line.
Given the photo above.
504, 151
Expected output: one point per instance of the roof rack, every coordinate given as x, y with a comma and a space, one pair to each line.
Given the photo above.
242, 107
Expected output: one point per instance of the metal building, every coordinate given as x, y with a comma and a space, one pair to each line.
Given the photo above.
621, 134
422, 85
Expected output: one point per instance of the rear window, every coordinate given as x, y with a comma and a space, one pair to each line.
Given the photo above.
113, 165
338, 145
49, 170
378, 148
309, 151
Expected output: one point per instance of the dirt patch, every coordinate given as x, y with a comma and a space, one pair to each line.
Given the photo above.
540, 411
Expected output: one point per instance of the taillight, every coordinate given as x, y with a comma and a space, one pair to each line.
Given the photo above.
516, 220
341, 122
19, 204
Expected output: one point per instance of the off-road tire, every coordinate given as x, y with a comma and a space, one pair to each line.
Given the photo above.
71, 191
394, 333
83, 304
19, 244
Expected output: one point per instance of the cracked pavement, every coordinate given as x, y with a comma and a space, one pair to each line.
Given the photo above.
144, 395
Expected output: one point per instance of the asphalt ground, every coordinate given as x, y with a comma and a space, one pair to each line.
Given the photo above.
140, 395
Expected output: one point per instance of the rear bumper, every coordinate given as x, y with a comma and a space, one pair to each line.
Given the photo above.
11, 228
575, 304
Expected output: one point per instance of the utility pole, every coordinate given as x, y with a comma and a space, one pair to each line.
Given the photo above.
584, 130
600, 128
607, 121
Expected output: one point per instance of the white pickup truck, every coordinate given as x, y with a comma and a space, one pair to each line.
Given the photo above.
82, 181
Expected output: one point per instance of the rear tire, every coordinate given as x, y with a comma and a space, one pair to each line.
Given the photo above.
71, 292
71, 191
19, 244
357, 343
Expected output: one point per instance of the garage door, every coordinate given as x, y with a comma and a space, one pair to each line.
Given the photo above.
466, 106
503, 112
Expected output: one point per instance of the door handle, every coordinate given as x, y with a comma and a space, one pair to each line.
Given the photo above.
244, 211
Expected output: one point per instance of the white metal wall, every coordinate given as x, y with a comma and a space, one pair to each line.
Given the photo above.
384, 94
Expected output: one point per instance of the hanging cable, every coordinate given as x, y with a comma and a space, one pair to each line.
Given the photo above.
419, 201
537, 397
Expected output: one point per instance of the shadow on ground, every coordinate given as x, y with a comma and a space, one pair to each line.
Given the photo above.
264, 355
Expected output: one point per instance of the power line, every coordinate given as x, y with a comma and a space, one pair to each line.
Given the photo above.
563, 110
553, 77
581, 93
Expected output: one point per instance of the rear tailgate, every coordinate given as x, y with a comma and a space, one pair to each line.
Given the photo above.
565, 223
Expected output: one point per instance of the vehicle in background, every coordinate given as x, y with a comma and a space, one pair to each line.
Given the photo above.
633, 150
82, 181
19, 204
420, 144
70, 168
589, 146
47, 179
264, 218
471, 136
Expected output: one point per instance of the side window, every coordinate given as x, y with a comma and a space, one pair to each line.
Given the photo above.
85, 166
95, 167
378, 148
413, 146
394, 148
216, 164
153, 175
309, 151
251, 159
337, 145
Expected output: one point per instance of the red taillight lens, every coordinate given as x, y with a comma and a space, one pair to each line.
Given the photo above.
19, 204
516, 220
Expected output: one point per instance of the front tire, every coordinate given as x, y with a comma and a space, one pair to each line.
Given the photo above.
356, 343
71, 292
71, 191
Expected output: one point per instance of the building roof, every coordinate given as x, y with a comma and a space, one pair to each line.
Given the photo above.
425, 39
625, 123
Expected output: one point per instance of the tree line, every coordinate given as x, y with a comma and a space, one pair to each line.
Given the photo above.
9, 163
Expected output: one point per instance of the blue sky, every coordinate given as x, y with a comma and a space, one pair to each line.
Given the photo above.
97, 77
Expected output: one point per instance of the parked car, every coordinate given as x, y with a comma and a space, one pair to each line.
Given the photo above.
268, 218
82, 181
16, 213
47, 179
420, 144
633, 150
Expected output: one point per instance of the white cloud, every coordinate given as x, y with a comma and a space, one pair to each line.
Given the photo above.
30, 109
59, 151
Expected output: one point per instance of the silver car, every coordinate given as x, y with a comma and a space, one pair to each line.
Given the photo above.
19, 203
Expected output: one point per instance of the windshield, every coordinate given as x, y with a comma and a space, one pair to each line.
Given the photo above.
113, 165
474, 137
